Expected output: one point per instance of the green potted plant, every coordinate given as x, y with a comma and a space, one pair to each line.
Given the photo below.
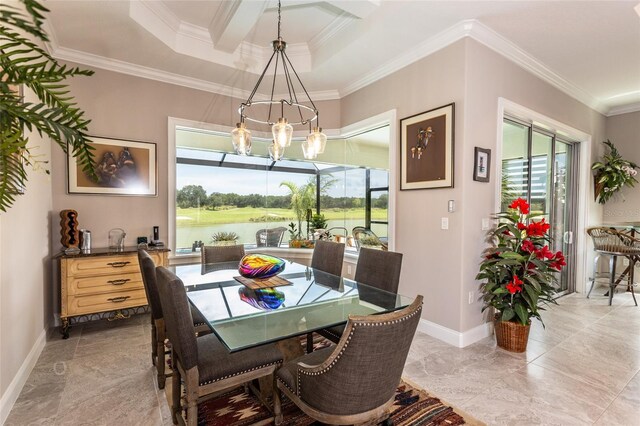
370, 241
24, 64
318, 221
612, 174
296, 240
519, 273
224, 239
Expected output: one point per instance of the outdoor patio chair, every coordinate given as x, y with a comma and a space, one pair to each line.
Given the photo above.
613, 243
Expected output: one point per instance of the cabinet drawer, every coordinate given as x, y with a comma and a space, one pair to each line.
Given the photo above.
102, 265
79, 305
105, 284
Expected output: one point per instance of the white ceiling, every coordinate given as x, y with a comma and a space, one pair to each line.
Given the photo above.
590, 50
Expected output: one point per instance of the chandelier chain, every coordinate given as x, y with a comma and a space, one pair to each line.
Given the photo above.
279, 19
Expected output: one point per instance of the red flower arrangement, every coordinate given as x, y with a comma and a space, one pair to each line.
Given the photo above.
519, 271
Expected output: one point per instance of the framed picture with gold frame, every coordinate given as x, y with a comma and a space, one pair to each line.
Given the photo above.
426, 149
123, 167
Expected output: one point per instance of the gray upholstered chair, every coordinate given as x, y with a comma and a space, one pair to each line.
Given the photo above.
215, 254
613, 243
328, 257
355, 381
376, 268
158, 334
271, 237
204, 364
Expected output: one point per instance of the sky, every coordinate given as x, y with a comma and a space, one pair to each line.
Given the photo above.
244, 182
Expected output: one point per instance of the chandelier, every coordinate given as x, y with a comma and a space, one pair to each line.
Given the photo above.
263, 111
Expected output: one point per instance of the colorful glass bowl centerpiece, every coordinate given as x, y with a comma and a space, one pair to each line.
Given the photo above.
260, 266
266, 299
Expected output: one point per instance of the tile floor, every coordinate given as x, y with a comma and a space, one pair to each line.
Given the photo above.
583, 369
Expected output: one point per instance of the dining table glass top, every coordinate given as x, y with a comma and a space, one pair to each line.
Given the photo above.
243, 318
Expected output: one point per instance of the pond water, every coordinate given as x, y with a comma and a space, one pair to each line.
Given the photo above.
186, 235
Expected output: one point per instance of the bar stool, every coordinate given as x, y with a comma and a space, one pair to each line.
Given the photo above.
613, 243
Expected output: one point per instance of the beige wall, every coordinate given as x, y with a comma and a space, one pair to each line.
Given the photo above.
127, 107
488, 77
624, 131
466, 73
25, 265
432, 263
439, 264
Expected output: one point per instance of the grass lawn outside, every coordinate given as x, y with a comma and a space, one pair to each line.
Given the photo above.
200, 217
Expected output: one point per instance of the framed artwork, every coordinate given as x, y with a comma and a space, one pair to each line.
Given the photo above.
482, 164
426, 149
123, 167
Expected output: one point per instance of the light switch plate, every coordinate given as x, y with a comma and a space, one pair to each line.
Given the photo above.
444, 223
485, 224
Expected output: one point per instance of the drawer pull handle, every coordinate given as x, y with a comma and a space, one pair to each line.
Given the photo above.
118, 299
119, 282
118, 264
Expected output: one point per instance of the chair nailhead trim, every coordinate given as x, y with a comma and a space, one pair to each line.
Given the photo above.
239, 373
286, 385
355, 324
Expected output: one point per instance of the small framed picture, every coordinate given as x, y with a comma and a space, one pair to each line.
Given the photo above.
123, 167
482, 165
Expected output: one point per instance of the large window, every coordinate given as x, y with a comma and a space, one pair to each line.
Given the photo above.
218, 191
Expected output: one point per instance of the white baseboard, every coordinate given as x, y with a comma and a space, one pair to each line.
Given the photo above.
15, 387
453, 337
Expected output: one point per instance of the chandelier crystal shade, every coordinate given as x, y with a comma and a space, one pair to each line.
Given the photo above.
241, 139
264, 111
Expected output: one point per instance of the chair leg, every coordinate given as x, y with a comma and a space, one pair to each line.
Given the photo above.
161, 361
593, 277
154, 342
277, 405
632, 266
175, 391
309, 343
191, 390
612, 278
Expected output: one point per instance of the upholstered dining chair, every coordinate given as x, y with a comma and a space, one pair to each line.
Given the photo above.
353, 382
328, 256
375, 268
203, 364
215, 254
614, 243
158, 334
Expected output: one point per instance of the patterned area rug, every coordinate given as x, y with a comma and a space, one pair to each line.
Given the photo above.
412, 407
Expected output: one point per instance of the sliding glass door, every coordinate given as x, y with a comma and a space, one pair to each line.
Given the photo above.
540, 167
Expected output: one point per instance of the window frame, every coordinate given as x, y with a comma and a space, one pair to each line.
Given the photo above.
385, 119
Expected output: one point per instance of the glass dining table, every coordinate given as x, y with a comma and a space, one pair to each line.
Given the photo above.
244, 318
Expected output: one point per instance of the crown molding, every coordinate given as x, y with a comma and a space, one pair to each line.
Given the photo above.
474, 29
624, 109
123, 67
514, 53
468, 28
420, 51
329, 32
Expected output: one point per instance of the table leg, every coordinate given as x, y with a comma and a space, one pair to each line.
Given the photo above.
291, 349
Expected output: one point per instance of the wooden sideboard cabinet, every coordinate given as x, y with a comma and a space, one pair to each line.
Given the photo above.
102, 282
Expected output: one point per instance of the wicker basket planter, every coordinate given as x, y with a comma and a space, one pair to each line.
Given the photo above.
511, 336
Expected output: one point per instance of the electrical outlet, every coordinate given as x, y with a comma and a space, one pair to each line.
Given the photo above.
444, 223
485, 224
471, 297
349, 269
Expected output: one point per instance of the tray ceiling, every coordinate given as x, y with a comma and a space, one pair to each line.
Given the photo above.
590, 50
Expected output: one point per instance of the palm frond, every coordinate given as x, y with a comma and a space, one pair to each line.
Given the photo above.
56, 114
